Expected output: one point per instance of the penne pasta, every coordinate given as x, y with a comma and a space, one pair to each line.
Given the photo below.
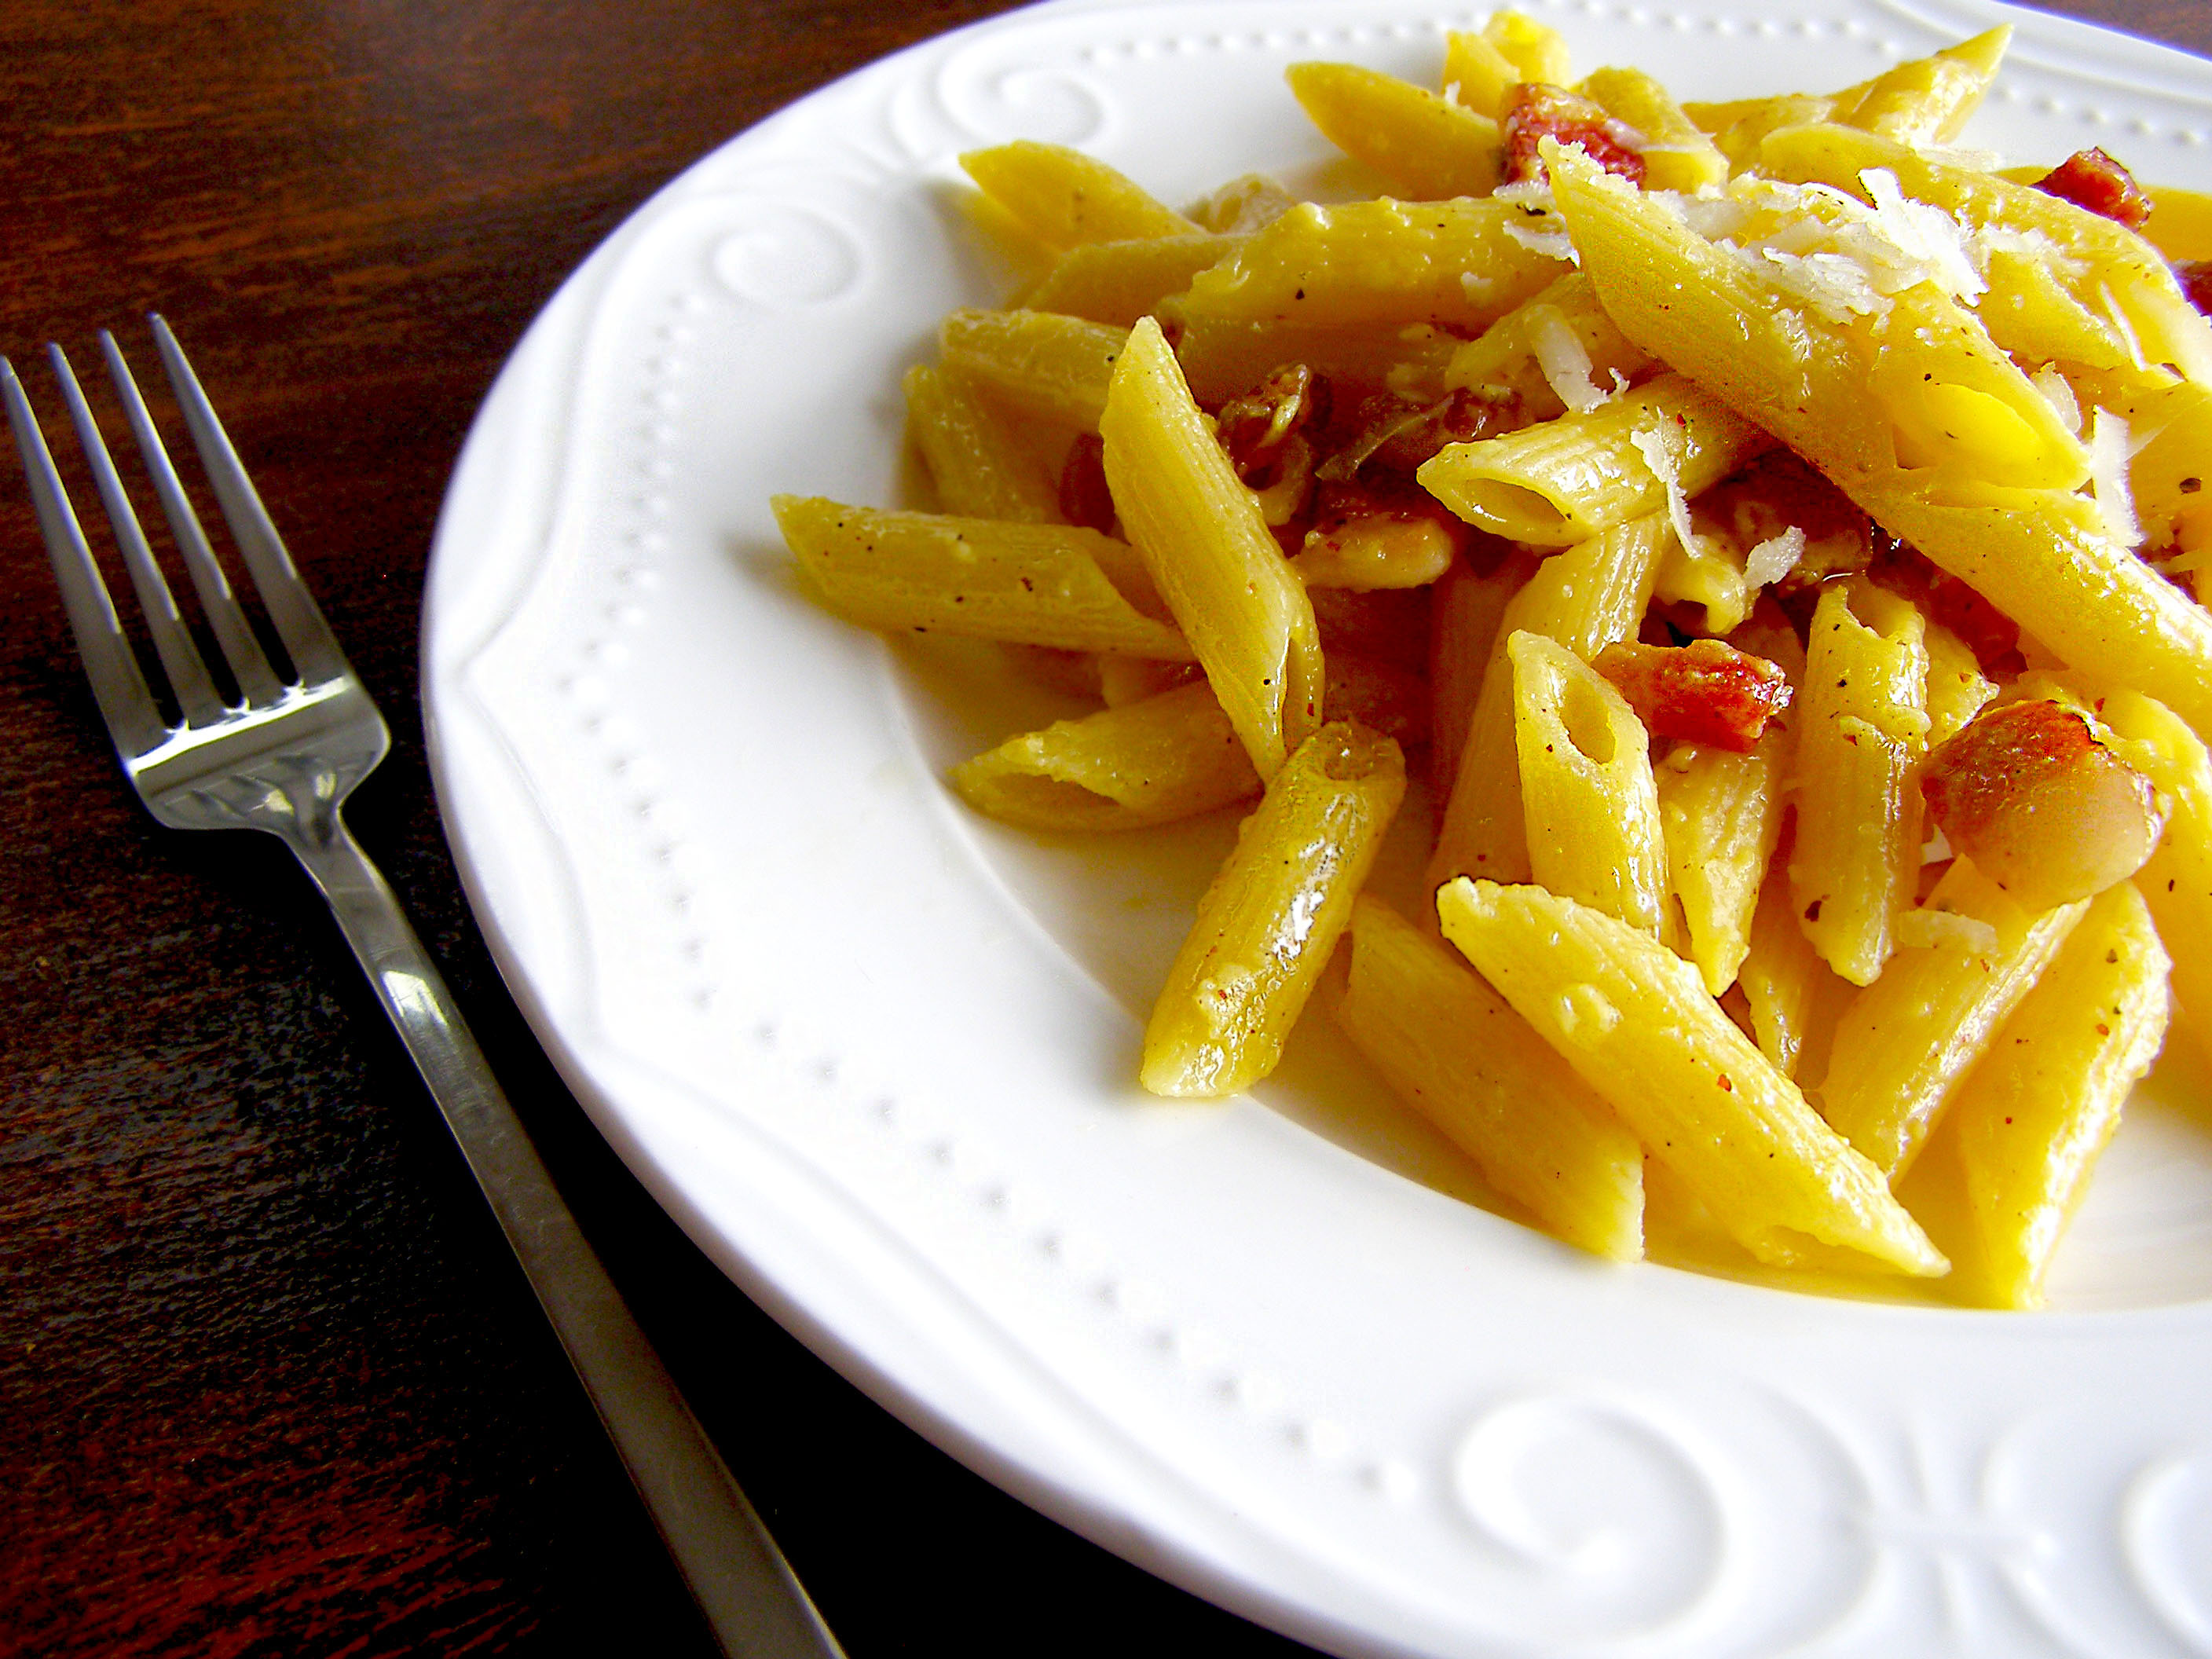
1452, 1049
2009, 1166
1116, 283
1210, 554
1269, 921
981, 468
1063, 197
1033, 584
1635, 1023
1720, 816
1422, 146
1055, 367
1862, 729
1908, 1041
1567, 479
1587, 598
1589, 805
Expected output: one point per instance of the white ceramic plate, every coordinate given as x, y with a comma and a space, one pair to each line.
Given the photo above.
877, 1056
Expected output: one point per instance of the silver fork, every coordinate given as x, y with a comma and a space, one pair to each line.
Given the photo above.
283, 759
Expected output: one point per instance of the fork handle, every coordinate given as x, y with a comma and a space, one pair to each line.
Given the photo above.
747, 1590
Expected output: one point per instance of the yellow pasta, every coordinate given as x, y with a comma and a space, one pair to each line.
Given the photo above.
1587, 598
1862, 729
1269, 921
1423, 147
1035, 584
2010, 1162
1453, 1049
1055, 367
1386, 264
1677, 154
1587, 800
1210, 554
981, 468
1794, 998
1558, 345
1909, 1040
1063, 197
1635, 1023
1721, 816
1464, 618
2177, 882
1567, 479
1117, 282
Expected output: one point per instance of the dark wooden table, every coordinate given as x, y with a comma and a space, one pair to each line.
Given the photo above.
269, 1381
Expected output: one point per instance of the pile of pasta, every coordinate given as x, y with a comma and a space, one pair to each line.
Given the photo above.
1773, 529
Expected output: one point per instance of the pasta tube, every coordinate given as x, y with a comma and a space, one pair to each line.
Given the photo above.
1721, 815
2178, 879
1591, 596
1863, 728
981, 468
1463, 263
1464, 617
1676, 155
2041, 556
1055, 367
1634, 1021
1423, 147
1454, 1051
1033, 584
1063, 197
1565, 480
1908, 1040
1211, 553
1271, 917
1587, 794
1116, 283
1794, 998
2018, 1145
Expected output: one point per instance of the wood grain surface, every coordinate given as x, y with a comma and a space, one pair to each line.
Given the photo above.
269, 1382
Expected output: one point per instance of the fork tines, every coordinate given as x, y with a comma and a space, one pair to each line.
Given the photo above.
119, 685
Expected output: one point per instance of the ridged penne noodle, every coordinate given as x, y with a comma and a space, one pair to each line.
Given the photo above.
1862, 727
2041, 556
1453, 1050
1908, 1040
1272, 915
1557, 346
1635, 1021
2041, 250
1537, 50
1063, 197
1587, 598
2177, 882
1211, 554
1033, 584
1463, 619
1922, 101
1462, 263
2009, 1165
1477, 73
1677, 154
1588, 800
1225, 358
1794, 998
1117, 282
981, 468
1056, 367
1567, 479
2180, 225
1169, 756
1422, 146
1721, 817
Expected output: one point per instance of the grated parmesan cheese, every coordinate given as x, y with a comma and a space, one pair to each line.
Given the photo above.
2058, 391
2108, 478
1564, 361
1652, 446
1774, 558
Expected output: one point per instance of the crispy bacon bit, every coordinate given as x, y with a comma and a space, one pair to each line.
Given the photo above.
2195, 276
1533, 111
2090, 178
1399, 437
2042, 808
1255, 427
1706, 691
1085, 499
1992, 637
